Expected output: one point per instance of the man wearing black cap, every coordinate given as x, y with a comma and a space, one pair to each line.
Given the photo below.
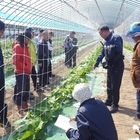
3, 107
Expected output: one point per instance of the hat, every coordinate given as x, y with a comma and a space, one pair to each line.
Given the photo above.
134, 30
29, 29
73, 32
81, 92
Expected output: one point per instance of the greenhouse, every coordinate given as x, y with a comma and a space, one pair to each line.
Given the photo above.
48, 47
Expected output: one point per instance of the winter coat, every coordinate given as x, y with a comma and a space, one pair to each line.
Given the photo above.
135, 66
94, 122
22, 59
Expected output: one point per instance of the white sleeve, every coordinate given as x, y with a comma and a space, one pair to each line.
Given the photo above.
50, 46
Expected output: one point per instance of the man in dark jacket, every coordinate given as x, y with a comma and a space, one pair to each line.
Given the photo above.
43, 60
94, 121
51, 34
3, 107
113, 53
70, 49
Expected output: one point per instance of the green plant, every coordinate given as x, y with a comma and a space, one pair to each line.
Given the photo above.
128, 46
9, 70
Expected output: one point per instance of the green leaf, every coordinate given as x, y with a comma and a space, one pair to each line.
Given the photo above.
41, 135
23, 128
39, 126
21, 122
27, 134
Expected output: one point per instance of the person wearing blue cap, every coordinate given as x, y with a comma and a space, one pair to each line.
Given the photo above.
113, 53
134, 33
3, 107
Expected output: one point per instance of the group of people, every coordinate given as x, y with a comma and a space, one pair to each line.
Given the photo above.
31, 58
94, 120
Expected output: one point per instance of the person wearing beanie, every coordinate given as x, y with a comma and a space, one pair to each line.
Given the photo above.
134, 33
81, 92
3, 107
94, 120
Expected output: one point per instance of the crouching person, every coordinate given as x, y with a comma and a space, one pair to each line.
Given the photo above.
94, 121
23, 67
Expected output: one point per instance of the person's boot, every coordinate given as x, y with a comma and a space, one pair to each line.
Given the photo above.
3, 118
138, 115
113, 109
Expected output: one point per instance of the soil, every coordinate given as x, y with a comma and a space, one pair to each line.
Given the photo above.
124, 119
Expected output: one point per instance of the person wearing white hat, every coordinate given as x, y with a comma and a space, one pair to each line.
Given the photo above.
94, 121
134, 33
